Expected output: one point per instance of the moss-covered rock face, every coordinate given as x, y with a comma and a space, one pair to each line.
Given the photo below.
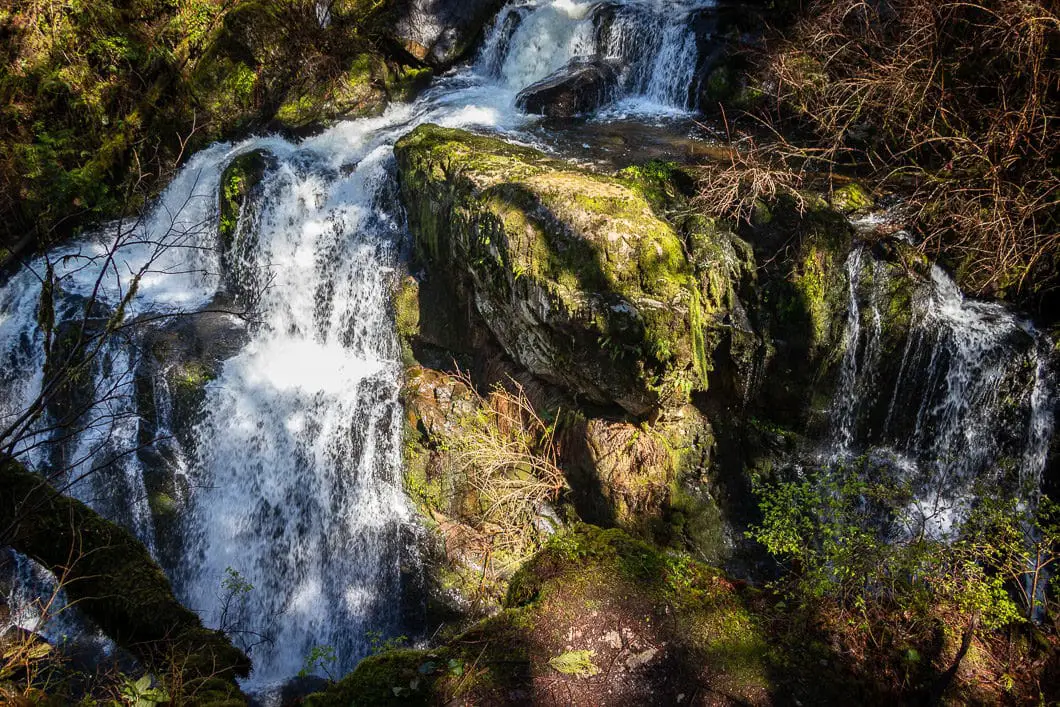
110, 575
595, 613
801, 304
237, 182
852, 197
573, 272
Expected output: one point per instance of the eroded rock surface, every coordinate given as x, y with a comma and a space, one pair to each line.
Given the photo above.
440, 32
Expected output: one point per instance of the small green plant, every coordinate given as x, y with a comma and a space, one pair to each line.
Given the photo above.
142, 693
579, 663
319, 660
235, 589
380, 644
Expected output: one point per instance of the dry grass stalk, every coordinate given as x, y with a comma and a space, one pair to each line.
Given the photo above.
506, 453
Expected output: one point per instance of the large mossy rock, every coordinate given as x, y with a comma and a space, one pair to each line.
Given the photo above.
595, 618
573, 272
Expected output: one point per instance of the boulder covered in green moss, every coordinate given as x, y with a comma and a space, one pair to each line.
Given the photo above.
111, 577
595, 616
574, 273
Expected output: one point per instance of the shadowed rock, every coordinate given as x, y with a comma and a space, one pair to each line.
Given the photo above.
581, 87
111, 577
440, 32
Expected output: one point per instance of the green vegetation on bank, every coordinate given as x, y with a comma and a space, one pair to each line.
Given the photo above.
100, 100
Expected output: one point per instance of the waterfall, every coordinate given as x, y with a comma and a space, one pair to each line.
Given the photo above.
299, 454
292, 468
654, 44
968, 402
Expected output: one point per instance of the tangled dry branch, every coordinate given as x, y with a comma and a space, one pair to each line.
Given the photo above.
953, 103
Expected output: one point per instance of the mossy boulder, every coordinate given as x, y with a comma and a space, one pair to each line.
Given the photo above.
573, 272
111, 577
238, 181
852, 197
595, 613
239, 203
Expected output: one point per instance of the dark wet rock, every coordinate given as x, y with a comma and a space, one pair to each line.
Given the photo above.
580, 87
115, 582
241, 185
179, 359
439, 33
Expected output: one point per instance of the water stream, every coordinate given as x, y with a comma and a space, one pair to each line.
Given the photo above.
968, 402
292, 477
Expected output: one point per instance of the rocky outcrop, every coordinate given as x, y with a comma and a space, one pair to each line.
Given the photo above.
578, 88
180, 358
572, 272
111, 577
439, 32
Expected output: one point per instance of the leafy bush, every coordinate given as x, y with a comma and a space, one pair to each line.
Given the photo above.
851, 541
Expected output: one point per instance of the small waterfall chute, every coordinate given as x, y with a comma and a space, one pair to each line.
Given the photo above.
969, 402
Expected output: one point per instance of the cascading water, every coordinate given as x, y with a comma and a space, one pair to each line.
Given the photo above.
969, 402
292, 473
653, 43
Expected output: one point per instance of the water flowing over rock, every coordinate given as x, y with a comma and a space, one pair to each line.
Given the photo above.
285, 463
653, 45
966, 401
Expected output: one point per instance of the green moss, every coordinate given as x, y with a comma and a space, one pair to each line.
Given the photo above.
591, 248
238, 180
852, 197
404, 83
810, 284
397, 677
578, 663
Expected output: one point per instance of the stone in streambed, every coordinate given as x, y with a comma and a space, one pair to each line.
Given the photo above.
580, 87
439, 32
